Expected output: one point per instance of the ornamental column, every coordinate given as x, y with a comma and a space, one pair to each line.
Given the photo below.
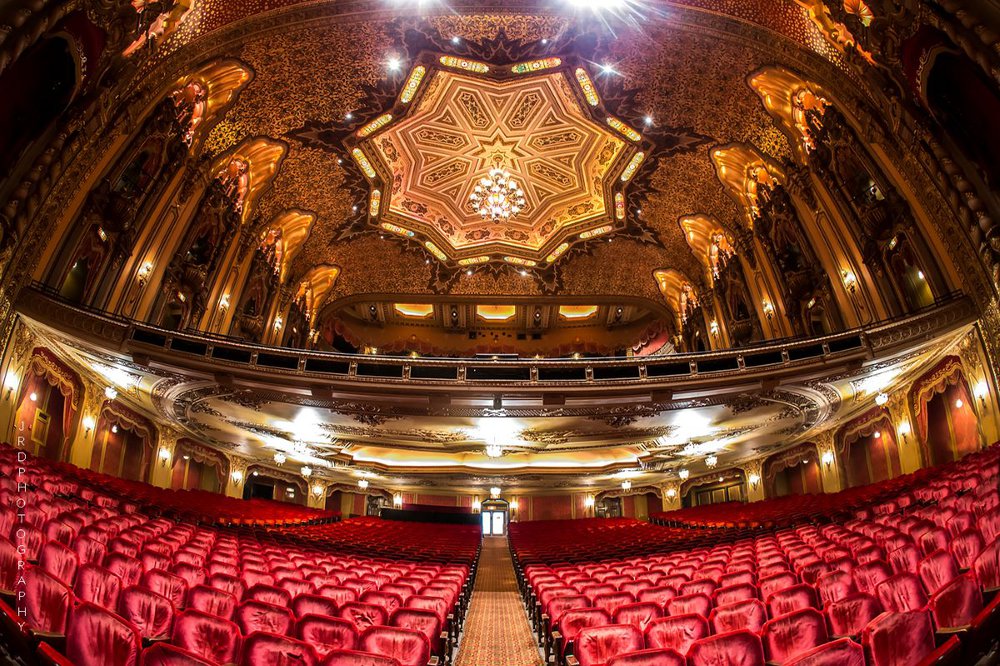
81, 449
753, 472
237, 475
910, 459
161, 473
830, 470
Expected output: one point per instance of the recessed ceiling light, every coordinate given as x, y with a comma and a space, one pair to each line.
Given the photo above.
608, 69
649, 120
393, 64
456, 39
349, 116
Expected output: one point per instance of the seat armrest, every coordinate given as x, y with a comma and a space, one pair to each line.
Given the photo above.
946, 654
572, 661
433, 661
50, 656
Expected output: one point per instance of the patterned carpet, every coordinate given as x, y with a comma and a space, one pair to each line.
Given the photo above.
496, 632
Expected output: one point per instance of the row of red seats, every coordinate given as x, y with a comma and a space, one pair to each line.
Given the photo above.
210, 593
904, 572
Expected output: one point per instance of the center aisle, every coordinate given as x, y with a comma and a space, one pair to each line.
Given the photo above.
496, 630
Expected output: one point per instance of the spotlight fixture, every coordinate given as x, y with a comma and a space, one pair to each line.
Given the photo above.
648, 120
393, 64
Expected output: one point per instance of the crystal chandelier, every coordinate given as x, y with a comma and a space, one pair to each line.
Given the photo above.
497, 196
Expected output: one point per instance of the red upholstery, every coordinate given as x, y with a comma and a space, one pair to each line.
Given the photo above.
898, 639
850, 615
264, 649
733, 593
612, 601
843, 652
574, 621
151, 613
210, 637
363, 615
47, 602
390, 602
966, 546
735, 648
775, 583
128, 569
357, 658
255, 615
166, 584
791, 599
902, 592
937, 569
426, 622
165, 654
987, 566
192, 575
639, 615
268, 594
834, 585
560, 605
957, 603
749, 615
676, 632
230, 584
596, 645
327, 633
438, 606
337, 594
650, 657
296, 586
867, 576
313, 604
212, 601
9, 559
790, 635
59, 561
98, 586
409, 647
658, 595
692, 603
97, 637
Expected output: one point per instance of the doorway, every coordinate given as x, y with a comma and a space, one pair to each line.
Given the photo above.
494, 517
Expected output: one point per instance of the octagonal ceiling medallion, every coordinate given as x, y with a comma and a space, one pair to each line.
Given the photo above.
455, 119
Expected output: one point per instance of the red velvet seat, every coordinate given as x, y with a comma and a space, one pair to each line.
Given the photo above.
699, 604
357, 658
154, 560
151, 613
574, 621
256, 615
313, 604
957, 603
749, 615
790, 635
390, 602
659, 595
735, 648
128, 569
987, 566
212, 638
639, 614
438, 606
59, 561
650, 657
212, 601
612, 601
902, 592
407, 646
933, 539
89, 551
733, 593
268, 594
191, 574
265, 649
898, 639
327, 633
843, 652
98, 586
676, 632
363, 615
595, 646
965, 548
850, 615
46, 601
834, 585
337, 594
29, 538
867, 576
168, 585
165, 654
96, 637
791, 599
699, 586
9, 566
426, 622
937, 569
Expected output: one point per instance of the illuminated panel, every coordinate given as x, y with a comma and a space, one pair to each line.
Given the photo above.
556, 253
577, 311
462, 63
496, 312
535, 65
471, 261
624, 129
595, 232
373, 204
587, 86
375, 125
435, 250
396, 229
619, 205
421, 310
363, 162
412, 84
519, 261
632, 166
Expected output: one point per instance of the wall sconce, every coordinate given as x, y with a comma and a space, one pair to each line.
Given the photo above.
959, 404
114, 428
711, 461
237, 477
278, 321
33, 397
827, 458
877, 434
164, 456
144, 272
881, 399
626, 485
754, 480
224, 302
684, 474
306, 471
110, 393
981, 390
671, 493
513, 505
397, 500
318, 490
768, 309
850, 280
495, 492
713, 327
904, 429
588, 502
88, 423
10, 383
476, 505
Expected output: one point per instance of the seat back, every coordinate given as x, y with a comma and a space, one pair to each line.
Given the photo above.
867, 576
791, 599
210, 637
326, 633
47, 601
165, 654
390, 602
658, 595
957, 603
639, 614
97, 637
98, 586
790, 635
357, 658
937, 570
436, 604
613, 600
902, 592
59, 561
749, 615
842, 652
256, 615
898, 639
699, 604
313, 604
596, 645
212, 601
363, 615
735, 647
339, 595
407, 646
270, 594
834, 585
850, 615
168, 585
151, 613
651, 657
987, 566
265, 649
733, 593
676, 632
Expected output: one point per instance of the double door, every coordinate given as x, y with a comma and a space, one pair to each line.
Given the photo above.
494, 523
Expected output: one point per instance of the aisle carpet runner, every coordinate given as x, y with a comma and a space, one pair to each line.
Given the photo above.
497, 632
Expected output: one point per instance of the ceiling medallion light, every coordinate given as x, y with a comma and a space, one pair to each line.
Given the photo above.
497, 196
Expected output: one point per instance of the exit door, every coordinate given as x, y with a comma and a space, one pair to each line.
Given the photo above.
494, 523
